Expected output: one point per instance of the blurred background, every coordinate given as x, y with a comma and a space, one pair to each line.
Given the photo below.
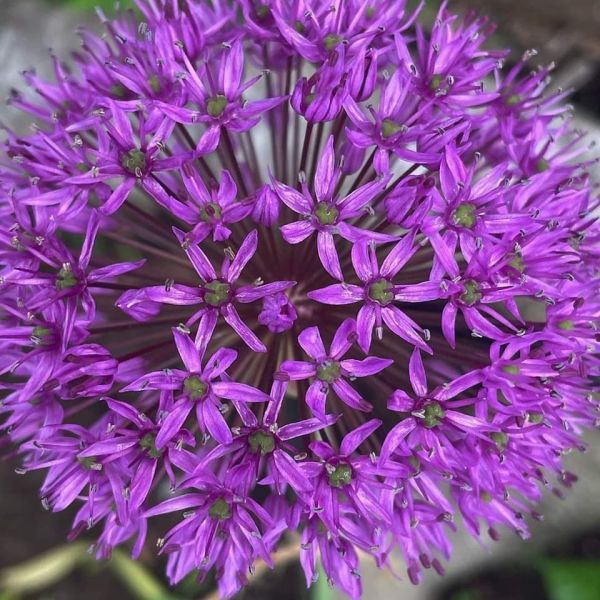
560, 562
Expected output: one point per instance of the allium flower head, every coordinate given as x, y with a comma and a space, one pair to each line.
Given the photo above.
328, 273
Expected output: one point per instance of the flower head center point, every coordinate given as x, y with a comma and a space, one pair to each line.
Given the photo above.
134, 161
340, 476
65, 278
389, 127
328, 371
216, 105
465, 216
211, 211
220, 509
472, 293
194, 387
261, 441
148, 444
332, 41
433, 413
326, 214
381, 291
217, 293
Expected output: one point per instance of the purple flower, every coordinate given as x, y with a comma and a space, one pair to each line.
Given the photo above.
196, 389
325, 212
377, 294
170, 323
330, 370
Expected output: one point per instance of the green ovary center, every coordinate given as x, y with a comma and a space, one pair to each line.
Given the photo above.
381, 291
261, 441
340, 476
433, 413
216, 105
220, 510
217, 293
332, 41
326, 214
210, 212
134, 161
328, 371
148, 444
65, 279
464, 215
389, 128
472, 293
194, 387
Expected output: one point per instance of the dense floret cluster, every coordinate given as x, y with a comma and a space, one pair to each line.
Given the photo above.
296, 265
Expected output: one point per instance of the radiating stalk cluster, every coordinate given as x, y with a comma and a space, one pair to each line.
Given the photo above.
286, 266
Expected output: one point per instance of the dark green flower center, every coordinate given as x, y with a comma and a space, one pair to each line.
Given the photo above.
390, 128
435, 82
216, 105
472, 293
513, 99
220, 509
217, 293
517, 262
332, 41
210, 211
381, 291
299, 27
194, 387
433, 413
535, 417
261, 441
65, 279
154, 83
42, 336
118, 90
566, 325
328, 371
134, 161
511, 369
340, 476
500, 439
464, 215
542, 165
148, 444
326, 214
88, 462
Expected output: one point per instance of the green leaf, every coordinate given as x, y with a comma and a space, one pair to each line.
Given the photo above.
43, 570
140, 581
571, 579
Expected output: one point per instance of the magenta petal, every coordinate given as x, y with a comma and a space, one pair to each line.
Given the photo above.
243, 255
399, 256
206, 327
449, 322
312, 344
231, 316
296, 232
215, 423
343, 339
241, 392
338, 293
209, 140
366, 367
324, 177
219, 362
198, 259
290, 472
116, 199
187, 350
416, 371
356, 437
365, 321
400, 401
328, 254
395, 436
292, 198
350, 396
316, 398
298, 370
403, 327
364, 261
173, 422
294, 430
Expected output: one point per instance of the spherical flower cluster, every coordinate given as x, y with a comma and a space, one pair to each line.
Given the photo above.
282, 266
